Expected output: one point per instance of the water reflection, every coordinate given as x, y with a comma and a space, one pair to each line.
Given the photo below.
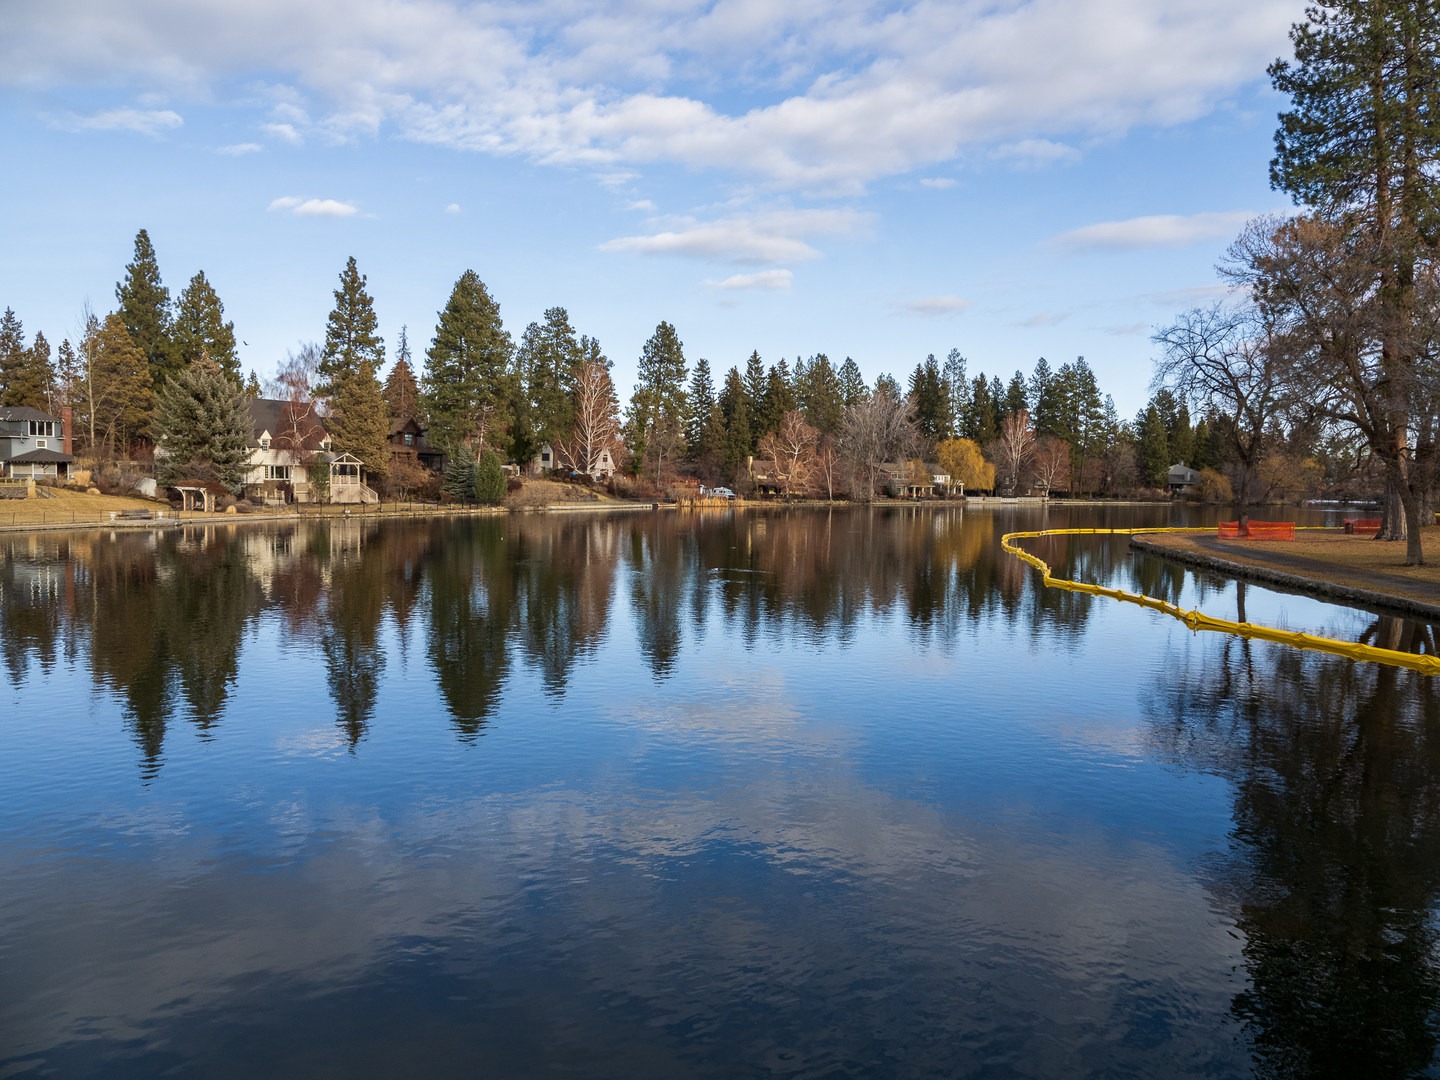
162, 616
1333, 871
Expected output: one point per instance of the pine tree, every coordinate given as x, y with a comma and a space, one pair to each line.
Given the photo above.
252, 386
657, 407
778, 400
459, 479
822, 401
852, 383
402, 392
699, 403
958, 385
360, 422
13, 356
1044, 407
489, 479
1154, 448
734, 408
145, 311
546, 362
39, 375
468, 378
755, 384
119, 394
1017, 395
981, 425
350, 336
202, 426
201, 330
930, 400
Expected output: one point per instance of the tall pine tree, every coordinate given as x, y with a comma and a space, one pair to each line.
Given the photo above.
145, 311
402, 392
201, 330
468, 377
350, 332
359, 422
202, 427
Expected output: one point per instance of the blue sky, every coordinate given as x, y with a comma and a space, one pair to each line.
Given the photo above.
1013, 179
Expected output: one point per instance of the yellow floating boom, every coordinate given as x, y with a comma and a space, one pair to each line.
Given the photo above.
1197, 620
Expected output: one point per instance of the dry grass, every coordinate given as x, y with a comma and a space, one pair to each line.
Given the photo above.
538, 493
1360, 562
68, 506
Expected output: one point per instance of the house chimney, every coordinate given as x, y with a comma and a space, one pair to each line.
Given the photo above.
66, 416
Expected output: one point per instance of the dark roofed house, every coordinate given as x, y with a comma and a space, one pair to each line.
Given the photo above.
1181, 478
287, 440
32, 444
407, 440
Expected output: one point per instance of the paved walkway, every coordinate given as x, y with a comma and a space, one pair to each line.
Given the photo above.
1272, 563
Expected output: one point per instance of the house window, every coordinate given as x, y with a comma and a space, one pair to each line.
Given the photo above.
409, 439
41, 444
265, 442
277, 472
42, 427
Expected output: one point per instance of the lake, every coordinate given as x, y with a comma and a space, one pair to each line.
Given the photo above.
805, 793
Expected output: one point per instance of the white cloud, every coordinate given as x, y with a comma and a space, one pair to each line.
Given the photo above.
933, 307
313, 207
1156, 230
766, 237
807, 94
1198, 294
286, 133
151, 122
453, 208
1035, 153
1128, 330
644, 205
240, 149
1044, 318
940, 182
765, 279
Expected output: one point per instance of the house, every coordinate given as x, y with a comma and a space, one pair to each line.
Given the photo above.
290, 451
602, 468
407, 442
33, 444
1181, 478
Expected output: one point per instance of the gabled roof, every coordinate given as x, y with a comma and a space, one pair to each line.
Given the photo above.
25, 412
283, 420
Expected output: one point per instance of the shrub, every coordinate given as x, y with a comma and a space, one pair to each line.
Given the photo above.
489, 479
1214, 488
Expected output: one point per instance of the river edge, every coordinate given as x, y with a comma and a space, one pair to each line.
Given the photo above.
1373, 595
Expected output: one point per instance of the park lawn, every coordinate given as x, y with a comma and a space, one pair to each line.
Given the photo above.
59, 506
1359, 562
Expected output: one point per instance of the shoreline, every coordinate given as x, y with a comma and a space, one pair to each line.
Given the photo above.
1289, 575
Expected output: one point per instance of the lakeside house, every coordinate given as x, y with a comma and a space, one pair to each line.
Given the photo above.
292, 459
33, 444
408, 442
1181, 478
601, 469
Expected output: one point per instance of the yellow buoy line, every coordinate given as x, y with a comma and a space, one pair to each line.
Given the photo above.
1197, 620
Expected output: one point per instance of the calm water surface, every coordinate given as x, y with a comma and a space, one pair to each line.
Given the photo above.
800, 794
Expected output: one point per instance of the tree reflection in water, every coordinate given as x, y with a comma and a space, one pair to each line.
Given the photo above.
1334, 865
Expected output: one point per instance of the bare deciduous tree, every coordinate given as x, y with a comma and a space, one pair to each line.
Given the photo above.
1014, 448
597, 420
792, 448
1051, 462
1223, 359
876, 430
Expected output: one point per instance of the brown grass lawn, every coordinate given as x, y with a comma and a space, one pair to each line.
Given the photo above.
1357, 561
70, 506
60, 506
